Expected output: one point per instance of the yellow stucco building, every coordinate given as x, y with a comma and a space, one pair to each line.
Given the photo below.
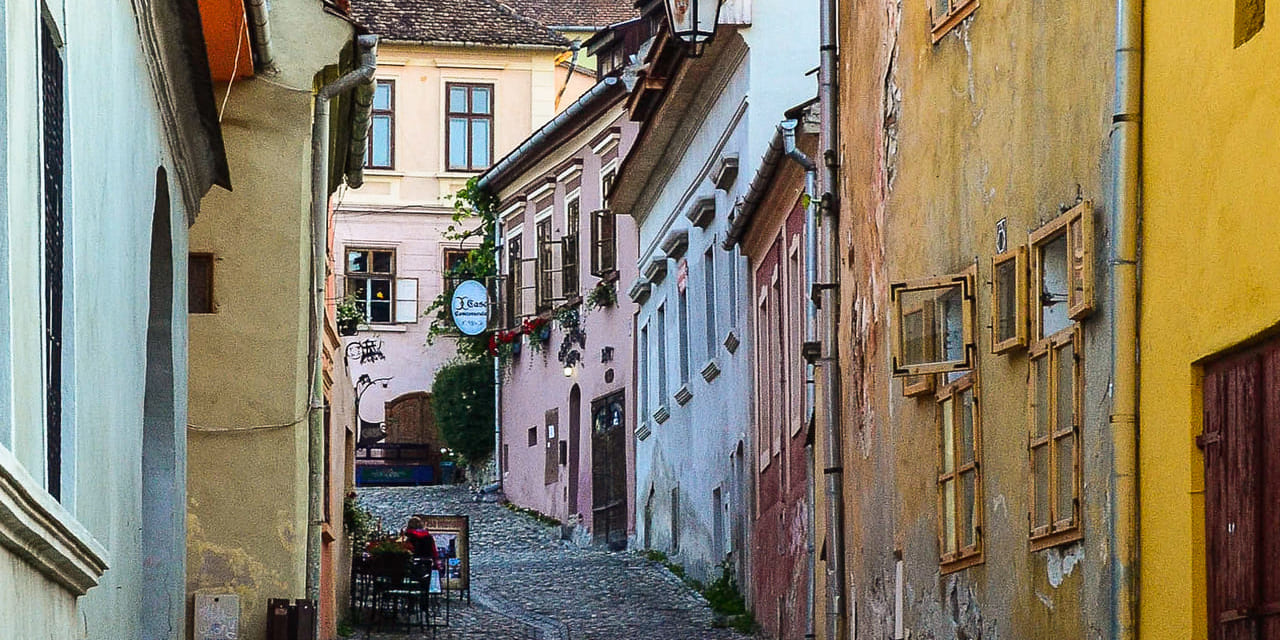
257, 522
1211, 257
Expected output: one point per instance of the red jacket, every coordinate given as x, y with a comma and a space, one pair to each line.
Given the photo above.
424, 546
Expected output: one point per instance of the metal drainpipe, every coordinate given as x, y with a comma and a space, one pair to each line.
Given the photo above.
788, 130
368, 51
261, 31
497, 364
828, 355
1125, 206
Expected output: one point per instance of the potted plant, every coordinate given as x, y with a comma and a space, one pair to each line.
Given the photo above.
538, 329
349, 316
602, 295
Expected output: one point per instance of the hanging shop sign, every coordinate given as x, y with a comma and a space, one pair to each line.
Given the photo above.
470, 307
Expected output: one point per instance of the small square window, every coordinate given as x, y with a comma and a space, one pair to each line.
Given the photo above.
1009, 301
200, 283
1062, 271
938, 344
917, 322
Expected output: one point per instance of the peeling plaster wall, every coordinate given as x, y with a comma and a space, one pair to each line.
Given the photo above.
1006, 117
250, 383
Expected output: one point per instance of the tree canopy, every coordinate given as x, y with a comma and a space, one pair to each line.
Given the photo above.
462, 399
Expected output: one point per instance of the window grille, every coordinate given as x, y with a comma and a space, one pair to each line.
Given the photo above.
51, 80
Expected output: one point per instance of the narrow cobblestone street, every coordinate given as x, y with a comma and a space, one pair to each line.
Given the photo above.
527, 583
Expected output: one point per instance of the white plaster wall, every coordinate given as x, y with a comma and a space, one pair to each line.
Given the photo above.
114, 146
694, 450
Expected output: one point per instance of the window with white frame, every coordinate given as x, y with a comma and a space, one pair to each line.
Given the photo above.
382, 128
515, 278
569, 244
469, 130
380, 296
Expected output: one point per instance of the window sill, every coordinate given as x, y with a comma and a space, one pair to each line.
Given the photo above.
731, 342
384, 172
383, 328
711, 371
1074, 534
952, 566
683, 395
661, 415
35, 527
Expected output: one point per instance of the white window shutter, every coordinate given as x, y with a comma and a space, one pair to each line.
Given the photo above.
406, 300
557, 292
528, 286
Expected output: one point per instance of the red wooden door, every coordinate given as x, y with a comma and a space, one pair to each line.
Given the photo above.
1241, 445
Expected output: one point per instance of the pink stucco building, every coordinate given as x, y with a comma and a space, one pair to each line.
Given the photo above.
447, 103
566, 399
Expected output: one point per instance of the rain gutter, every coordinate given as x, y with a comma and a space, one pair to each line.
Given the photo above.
1125, 208
367, 47
825, 355
492, 178
260, 28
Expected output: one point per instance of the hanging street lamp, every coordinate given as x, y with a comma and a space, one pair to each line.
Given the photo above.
693, 22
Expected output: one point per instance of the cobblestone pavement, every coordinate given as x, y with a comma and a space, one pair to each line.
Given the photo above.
527, 583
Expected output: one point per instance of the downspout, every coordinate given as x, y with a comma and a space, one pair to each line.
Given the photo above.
788, 131
497, 365
260, 28
368, 53
826, 296
1125, 207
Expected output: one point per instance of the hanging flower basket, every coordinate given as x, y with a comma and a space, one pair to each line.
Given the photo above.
348, 316
603, 295
539, 331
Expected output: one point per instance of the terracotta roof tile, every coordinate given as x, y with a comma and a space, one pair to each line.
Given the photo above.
576, 13
453, 21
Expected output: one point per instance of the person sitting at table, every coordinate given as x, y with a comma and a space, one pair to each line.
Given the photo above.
424, 545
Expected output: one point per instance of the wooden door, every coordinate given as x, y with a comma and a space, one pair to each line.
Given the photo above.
1241, 443
609, 471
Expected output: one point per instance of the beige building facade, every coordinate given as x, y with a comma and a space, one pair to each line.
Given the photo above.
254, 346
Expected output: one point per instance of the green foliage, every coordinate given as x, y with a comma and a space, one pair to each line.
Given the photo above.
474, 216
390, 547
357, 520
345, 630
603, 295
533, 513
347, 311
462, 399
722, 594
653, 555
